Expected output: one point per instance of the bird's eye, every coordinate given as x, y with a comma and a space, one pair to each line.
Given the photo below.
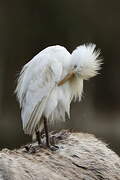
75, 66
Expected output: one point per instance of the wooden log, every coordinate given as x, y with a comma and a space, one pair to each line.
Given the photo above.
79, 157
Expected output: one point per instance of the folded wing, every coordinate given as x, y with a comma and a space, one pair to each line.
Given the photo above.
36, 82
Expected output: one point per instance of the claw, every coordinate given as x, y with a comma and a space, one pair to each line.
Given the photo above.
33, 148
53, 148
27, 147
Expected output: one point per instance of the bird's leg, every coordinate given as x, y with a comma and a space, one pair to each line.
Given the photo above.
46, 132
52, 147
33, 149
38, 137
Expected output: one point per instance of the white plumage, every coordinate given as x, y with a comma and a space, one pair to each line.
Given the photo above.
38, 90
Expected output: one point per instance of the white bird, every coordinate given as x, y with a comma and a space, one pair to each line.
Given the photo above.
50, 81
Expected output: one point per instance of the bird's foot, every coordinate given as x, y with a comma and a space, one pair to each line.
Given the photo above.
33, 148
53, 148
52, 144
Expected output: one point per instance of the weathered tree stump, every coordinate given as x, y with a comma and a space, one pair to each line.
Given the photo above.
80, 157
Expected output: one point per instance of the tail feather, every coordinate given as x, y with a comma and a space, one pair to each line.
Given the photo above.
35, 118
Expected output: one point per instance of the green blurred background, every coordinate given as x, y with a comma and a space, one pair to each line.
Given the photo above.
27, 27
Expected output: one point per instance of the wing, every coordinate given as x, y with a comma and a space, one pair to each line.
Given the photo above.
36, 82
31, 113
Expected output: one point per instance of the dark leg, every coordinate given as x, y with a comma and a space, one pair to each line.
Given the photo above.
46, 132
38, 137
33, 149
53, 148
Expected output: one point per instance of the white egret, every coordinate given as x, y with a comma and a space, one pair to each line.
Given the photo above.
50, 81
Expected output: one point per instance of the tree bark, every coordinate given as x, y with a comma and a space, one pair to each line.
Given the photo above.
79, 157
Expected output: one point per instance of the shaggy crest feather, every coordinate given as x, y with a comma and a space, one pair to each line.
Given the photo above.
87, 60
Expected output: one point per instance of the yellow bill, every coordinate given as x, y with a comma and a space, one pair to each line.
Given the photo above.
66, 78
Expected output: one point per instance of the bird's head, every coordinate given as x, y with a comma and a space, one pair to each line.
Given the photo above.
86, 61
